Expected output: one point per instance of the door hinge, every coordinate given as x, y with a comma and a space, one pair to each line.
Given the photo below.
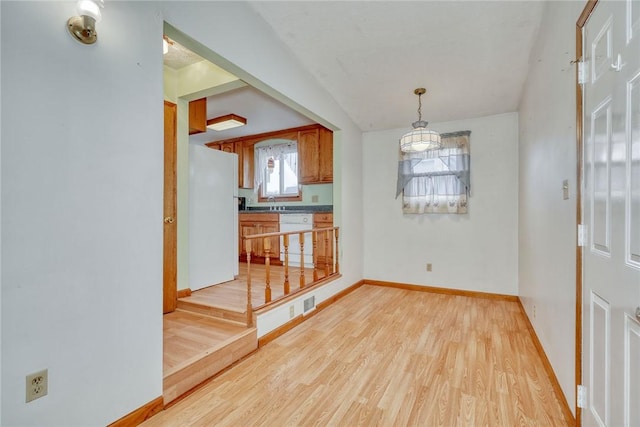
582, 72
581, 397
582, 235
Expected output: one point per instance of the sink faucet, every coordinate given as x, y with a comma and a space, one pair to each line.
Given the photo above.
272, 199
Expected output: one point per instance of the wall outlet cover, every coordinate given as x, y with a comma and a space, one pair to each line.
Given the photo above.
37, 385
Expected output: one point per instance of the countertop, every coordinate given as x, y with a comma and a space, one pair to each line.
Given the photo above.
289, 209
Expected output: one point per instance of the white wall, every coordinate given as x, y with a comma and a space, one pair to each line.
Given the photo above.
476, 251
81, 214
547, 226
81, 204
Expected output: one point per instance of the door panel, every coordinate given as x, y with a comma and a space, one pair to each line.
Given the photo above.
632, 372
611, 212
633, 171
599, 356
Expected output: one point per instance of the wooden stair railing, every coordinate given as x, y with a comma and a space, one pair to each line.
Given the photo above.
330, 267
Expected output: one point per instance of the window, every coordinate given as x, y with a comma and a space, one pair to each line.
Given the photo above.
436, 181
277, 170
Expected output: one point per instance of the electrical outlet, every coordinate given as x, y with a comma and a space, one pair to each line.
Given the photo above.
314, 199
292, 312
37, 385
429, 267
534, 311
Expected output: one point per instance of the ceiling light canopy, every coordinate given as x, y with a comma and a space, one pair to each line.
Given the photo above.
420, 138
229, 121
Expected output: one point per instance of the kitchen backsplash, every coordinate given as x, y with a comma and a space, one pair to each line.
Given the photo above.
316, 194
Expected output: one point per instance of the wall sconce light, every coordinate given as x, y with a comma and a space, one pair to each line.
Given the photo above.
229, 121
83, 27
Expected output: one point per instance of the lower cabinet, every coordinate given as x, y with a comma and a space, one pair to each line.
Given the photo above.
324, 256
259, 223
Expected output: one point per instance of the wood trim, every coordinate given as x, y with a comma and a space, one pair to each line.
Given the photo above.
183, 293
582, 20
584, 16
446, 291
566, 411
267, 338
169, 226
267, 135
141, 414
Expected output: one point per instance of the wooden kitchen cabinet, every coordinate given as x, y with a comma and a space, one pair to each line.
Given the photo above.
325, 156
315, 153
246, 164
308, 156
198, 116
323, 220
259, 223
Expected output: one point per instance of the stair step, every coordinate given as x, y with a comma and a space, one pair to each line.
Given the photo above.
216, 312
199, 368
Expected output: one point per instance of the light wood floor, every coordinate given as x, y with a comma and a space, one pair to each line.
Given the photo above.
232, 295
388, 357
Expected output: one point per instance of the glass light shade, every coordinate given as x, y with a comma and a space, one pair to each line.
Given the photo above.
165, 47
90, 8
420, 139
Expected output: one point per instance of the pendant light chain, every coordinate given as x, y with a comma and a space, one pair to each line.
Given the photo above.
419, 107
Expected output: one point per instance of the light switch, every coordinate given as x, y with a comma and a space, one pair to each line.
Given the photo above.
565, 189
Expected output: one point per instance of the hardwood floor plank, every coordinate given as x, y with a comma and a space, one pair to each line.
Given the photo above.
388, 357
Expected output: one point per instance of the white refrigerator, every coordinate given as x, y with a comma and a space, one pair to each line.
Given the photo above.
213, 217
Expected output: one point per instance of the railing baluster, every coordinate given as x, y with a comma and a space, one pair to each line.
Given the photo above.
249, 303
331, 261
337, 263
301, 236
285, 240
314, 238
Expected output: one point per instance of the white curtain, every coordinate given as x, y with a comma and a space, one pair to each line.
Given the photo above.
436, 181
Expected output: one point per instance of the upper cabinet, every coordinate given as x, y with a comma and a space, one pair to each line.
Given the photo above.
308, 156
315, 153
198, 116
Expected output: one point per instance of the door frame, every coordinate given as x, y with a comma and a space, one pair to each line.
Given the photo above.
581, 22
170, 223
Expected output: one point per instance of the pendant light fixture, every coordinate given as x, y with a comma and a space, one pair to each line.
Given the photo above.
420, 138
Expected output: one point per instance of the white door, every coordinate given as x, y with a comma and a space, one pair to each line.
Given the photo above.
611, 212
213, 254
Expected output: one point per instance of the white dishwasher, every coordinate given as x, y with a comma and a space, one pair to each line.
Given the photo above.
297, 222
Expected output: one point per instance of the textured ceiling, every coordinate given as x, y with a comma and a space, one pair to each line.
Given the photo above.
471, 56
179, 56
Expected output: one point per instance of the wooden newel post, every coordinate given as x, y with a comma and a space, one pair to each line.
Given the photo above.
314, 238
337, 257
249, 305
285, 241
327, 249
267, 266
301, 259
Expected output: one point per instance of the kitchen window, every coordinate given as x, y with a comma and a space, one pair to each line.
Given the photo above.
277, 171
